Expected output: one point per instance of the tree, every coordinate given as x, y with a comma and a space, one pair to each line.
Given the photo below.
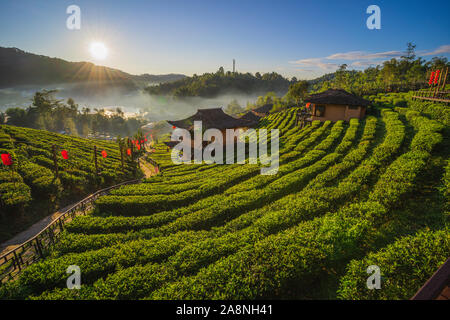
410, 53
17, 117
298, 91
341, 78
234, 108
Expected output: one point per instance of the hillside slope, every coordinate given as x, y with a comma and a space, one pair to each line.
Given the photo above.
29, 189
18, 67
344, 192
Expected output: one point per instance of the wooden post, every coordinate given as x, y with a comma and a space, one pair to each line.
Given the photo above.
431, 88
95, 160
445, 79
55, 161
121, 156
436, 91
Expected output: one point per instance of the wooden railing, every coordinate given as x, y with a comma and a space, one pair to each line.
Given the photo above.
430, 95
434, 286
14, 261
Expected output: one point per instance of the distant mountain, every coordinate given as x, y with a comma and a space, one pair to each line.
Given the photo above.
18, 67
160, 78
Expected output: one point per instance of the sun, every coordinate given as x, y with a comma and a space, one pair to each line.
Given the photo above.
98, 50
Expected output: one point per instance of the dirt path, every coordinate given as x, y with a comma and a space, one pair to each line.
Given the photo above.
147, 168
29, 233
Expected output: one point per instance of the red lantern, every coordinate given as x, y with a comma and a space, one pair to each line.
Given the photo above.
129, 151
430, 82
104, 154
7, 160
173, 127
436, 76
65, 154
138, 147
308, 104
145, 139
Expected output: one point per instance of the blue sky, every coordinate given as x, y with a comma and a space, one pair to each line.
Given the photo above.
295, 38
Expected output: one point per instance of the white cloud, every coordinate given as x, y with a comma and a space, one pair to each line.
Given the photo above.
316, 62
357, 59
361, 55
365, 63
304, 70
440, 50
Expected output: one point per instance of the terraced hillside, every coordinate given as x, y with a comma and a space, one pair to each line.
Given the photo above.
29, 189
347, 195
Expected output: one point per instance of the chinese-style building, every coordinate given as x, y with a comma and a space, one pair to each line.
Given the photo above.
211, 119
252, 117
264, 110
336, 104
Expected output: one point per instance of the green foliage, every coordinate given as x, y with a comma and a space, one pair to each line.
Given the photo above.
29, 189
48, 113
226, 232
213, 84
405, 266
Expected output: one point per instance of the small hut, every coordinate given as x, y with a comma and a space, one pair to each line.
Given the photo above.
336, 104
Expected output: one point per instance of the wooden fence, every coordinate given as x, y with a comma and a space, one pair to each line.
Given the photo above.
14, 261
440, 96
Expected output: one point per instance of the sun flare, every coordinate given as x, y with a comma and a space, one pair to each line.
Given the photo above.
98, 50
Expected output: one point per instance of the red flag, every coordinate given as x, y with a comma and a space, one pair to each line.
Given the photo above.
436, 76
430, 82
7, 160
65, 154
104, 154
129, 151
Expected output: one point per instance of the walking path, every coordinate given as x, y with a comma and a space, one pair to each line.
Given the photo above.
29, 233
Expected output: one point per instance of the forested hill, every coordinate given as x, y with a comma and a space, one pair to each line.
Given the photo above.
221, 82
18, 67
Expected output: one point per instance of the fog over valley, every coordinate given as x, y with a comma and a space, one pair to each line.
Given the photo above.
132, 102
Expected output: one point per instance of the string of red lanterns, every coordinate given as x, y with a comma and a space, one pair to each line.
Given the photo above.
65, 154
436, 76
7, 159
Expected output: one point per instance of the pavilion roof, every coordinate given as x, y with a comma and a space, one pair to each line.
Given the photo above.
337, 96
211, 118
